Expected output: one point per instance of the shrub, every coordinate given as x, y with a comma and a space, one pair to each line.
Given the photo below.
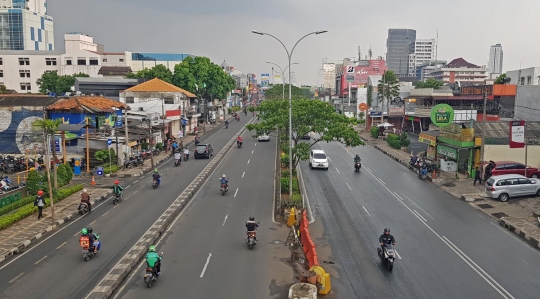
375, 132
69, 173
285, 173
395, 144
406, 142
285, 160
111, 169
296, 201
295, 186
33, 182
62, 175
15, 205
284, 184
159, 146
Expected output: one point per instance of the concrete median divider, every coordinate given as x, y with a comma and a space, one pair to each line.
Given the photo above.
129, 261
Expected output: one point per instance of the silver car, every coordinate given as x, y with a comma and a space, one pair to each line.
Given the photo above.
506, 186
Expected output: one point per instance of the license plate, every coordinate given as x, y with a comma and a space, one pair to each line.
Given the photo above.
320, 165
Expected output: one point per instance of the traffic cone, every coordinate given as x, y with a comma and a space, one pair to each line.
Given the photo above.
93, 182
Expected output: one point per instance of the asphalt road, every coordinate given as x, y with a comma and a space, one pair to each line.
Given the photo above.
55, 268
205, 255
447, 249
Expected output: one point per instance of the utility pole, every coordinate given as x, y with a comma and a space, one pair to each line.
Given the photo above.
526, 146
483, 135
164, 137
126, 152
149, 120
48, 169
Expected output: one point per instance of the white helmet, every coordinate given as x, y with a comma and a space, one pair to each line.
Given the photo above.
84, 190
223, 175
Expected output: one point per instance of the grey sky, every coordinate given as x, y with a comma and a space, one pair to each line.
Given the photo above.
221, 29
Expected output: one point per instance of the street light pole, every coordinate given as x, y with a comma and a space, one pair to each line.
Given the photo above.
289, 57
282, 76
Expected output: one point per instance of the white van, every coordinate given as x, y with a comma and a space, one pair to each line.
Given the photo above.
318, 159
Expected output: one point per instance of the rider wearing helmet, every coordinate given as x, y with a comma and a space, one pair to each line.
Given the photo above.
153, 260
40, 203
251, 226
239, 140
357, 158
387, 238
224, 180
156, 176
117, 188
94, 239
85, 198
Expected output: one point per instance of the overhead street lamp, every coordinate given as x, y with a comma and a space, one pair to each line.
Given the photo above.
282, 74
289, 57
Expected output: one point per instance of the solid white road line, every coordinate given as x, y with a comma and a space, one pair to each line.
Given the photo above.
226, 216
40, 260
248, 161
16, 277
206, 265
61, 245
252, 151
348, 186
235, 192
243, 174
420, 215
382, 182
338, 171
397, 254
366, 211
397, 196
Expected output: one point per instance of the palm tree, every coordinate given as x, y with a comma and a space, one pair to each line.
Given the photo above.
388, 87
49, 127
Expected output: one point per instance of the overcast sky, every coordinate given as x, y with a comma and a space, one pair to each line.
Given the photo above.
221, 30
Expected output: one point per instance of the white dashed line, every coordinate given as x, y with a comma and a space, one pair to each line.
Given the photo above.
420, 215
348, 186
206, 265
366, 211
235, 192
18, 276
399, 256
243, 174
252, 151
40, 260
226, 216
338, 171
62, 245
248, 161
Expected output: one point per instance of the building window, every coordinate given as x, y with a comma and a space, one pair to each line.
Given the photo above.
1, 74
24, 61
522, 81
1, 61
81, 61
50, 61
24, 73
68, 61
529, 80
26, 86
93, 61
130, 100
104, 59
168, 101
121, 60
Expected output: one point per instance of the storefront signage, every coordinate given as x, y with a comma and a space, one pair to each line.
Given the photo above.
375, 114
442, 115
477, 90
425, 138
447, 152
396, 111
10, 199
517, 134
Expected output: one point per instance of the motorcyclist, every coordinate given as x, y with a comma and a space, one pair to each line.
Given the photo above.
85, 198
94, 239
177, 157
251, 226
186, 153
153, 260
117, 188
226, 123
357, 159
239, 140
386, 238
156, 176
224, 180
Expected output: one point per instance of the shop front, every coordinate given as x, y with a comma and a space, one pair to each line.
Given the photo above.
455, 155
431, 141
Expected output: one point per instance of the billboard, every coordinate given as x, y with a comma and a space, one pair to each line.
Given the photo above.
358, 75
278, 79
517, 134
265, 80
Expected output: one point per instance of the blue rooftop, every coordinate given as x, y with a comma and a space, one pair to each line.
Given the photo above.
159, 56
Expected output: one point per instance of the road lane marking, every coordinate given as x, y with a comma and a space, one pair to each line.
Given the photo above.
382, 182
338, 171
369, 171
348, 186
420, 215
248, 161
62, 245
92, 222
243, 174
40, 260
106, 213
329, 159
17, 277
226, 216
235, 192
136, 182
397, 254
366, 211
480, 216
128, 186
397, 196
255, 143
252, 151
206, 265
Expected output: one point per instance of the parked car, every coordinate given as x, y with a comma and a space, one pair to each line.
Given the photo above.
263, 137
506, 186
307, 136
511, 167
318, 159
203, 151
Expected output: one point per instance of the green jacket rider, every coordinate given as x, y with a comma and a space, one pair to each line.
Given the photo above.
117, 188
153, 260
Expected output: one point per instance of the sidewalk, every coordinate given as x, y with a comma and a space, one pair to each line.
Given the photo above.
517, 215
14, 239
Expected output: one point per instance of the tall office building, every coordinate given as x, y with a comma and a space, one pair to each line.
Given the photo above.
400, 45
25, 25
495, 62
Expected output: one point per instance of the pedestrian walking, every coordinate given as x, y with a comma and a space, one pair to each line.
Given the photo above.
477, 176
40, 203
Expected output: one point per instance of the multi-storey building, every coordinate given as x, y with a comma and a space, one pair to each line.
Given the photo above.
25, 25
527, 76
424, 52
459, 70
400, 45
495, 62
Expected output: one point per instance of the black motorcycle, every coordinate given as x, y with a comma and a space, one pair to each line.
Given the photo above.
83, 208
387, 255
238, 144
177, 162
357, 166
116, 199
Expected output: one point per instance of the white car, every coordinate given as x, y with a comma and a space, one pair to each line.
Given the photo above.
318, 159
263, 137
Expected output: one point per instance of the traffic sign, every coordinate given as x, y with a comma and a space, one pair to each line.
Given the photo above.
109, 141
362, 107
99, 172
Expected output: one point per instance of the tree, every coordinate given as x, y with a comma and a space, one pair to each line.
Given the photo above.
49, 127
388, 87
501, 79
307, 116
276, 92
3, 89
369, 95
159, 71
429, 83
52, 82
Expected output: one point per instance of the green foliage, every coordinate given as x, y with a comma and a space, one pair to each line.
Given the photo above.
375, 132
406, 142
110, 169
69, 172
52, 82
102, 155
284, 184
369, 95
235, 109
33, 182
159, 71
29, 209
307, 115
398, 141
388, 86
159, 146
276, 92
295, 186
296, 201
429, 83
285, 160
501, 79
62, 174
15, 205
3, 89
285, 173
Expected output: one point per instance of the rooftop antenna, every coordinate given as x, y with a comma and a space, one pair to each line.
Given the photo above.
436, 48
359, 53
369, 52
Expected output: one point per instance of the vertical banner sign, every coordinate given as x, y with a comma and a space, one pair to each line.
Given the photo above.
517, 134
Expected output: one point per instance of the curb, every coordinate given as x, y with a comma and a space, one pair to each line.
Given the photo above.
523, 234
26, 243
404, 163
471, 197
129, 261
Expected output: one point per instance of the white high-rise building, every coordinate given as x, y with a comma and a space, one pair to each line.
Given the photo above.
25, 25
495, 62
329, 75
424, 52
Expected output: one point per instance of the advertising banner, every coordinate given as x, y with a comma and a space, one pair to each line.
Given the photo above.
396, 111
265, 80
517, 134
442, 115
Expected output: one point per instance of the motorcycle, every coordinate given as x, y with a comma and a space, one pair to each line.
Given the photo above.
224, 188
238, 144
87, 249
251, 240
238, 117
116, 199
357, 166
186, 157
151, 275
155, 184
83, 208
226, 126
177, 162
387, 255
422, 173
